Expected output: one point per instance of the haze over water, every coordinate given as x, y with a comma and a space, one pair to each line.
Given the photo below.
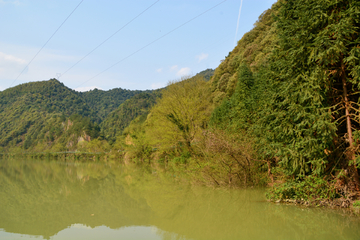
73, 200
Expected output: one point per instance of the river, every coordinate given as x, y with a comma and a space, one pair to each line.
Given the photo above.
75, 200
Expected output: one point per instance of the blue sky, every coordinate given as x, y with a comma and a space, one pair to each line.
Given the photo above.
26, 25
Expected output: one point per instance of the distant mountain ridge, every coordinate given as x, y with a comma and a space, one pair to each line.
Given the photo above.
44, 115
40, 114
104, 102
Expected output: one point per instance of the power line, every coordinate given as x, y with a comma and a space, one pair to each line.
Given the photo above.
110, 37
46, 43
153, 42
217, 43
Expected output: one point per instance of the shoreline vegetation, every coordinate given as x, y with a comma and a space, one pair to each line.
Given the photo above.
281, 110
182, 173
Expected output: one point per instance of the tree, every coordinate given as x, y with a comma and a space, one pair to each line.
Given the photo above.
181, 114
236, 112
315, 71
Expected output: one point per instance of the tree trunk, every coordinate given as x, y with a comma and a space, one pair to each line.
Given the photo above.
269, 171
351, 153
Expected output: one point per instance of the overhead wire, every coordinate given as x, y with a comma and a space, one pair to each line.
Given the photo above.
147, 45
45, 43
213, 45
217, 43
109, 38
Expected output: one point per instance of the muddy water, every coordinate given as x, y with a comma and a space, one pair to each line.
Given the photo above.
58, 200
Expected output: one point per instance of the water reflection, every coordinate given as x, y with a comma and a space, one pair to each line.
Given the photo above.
91, 201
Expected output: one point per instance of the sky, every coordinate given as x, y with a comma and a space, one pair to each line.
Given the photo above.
129, 44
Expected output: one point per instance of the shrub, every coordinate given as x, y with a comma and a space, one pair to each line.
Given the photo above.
309, 188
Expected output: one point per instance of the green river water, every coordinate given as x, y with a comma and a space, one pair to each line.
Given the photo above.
72, 200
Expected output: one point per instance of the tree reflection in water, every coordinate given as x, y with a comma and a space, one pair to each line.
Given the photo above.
41, 198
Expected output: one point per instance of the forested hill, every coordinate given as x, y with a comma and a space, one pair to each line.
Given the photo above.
48, 96
139, 105
104, 102
119, 119
206, 74
53, 97
282, 107
48, 116
37, 115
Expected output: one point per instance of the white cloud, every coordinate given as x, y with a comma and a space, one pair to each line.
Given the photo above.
174, 68
202, 56
45, 66
9, 58
10, 66
184, 72
159, 70
85, 89
157, 85
14, 2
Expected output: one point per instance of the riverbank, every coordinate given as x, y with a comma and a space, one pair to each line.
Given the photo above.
70, 155
315, 191
183, 171
339, 203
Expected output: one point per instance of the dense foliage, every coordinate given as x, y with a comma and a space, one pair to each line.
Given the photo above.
301, 104
206, 74
120, 118
283, 106
253, 49
47, 115
48, 96
315, 71
286, 103
104, 102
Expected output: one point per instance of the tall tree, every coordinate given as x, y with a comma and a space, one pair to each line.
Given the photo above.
315, 71
181, 114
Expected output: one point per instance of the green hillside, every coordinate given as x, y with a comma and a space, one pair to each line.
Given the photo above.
33, 113
104, 102
120, 118
48, 96
206, 74
282, 109
47, 115
253, 49
139, 105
